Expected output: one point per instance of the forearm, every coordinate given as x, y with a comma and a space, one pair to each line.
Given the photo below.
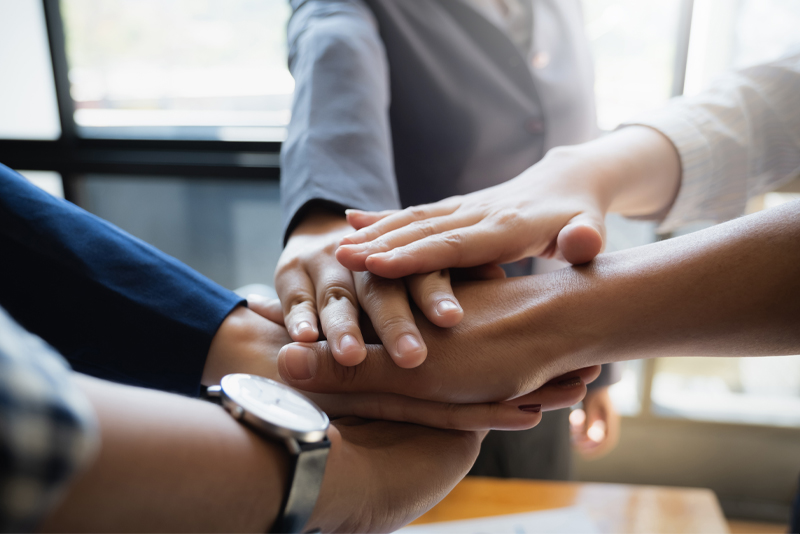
168, 463
726, 291
633, 171
731, 290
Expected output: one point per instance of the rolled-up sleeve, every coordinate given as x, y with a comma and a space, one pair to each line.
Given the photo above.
338, 148
48, 430
738, 139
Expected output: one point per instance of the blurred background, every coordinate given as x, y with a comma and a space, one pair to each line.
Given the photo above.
105, 101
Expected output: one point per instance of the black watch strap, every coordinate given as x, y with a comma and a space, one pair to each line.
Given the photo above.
305, 481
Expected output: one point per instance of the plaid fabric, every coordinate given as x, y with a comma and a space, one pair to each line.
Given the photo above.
47, 427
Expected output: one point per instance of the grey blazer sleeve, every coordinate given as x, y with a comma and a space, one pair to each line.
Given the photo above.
338, 148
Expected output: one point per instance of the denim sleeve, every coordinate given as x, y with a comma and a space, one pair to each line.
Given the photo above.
338, 148
114, 306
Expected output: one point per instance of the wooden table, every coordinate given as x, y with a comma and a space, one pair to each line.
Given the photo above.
612, 507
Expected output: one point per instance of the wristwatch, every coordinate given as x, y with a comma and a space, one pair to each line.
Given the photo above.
280, 413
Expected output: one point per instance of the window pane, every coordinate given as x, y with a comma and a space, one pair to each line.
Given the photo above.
633, 43
28, 108
229, 230
47, 180
199, 69
762, 390
729, 35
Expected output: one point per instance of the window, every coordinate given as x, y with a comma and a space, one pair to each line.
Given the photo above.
28, 107
188, 69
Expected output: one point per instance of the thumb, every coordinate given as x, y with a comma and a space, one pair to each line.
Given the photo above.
582, 238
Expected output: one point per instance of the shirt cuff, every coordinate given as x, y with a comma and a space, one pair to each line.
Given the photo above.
694, 151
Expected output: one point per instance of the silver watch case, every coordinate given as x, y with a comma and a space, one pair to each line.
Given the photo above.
258, 417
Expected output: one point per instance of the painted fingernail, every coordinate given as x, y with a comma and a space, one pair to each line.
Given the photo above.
349, 344
570, 382
408, 344
300, 362
447, 306
530, 408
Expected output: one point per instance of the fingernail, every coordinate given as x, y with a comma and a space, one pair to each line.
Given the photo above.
349, 344
530, 408
300, 362
255, 297
382, 256
349, 211
446, 306
356, 238
408, 344
570, 382
302, 327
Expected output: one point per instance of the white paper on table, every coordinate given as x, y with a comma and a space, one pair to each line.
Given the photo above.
571, 520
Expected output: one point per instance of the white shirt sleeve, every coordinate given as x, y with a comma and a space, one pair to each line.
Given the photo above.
738, 139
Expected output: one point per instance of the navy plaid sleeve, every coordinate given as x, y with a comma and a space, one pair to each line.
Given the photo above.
48, 430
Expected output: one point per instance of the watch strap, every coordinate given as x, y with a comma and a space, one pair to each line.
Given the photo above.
304, 486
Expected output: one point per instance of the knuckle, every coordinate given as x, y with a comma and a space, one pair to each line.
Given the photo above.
425, 228
335, 293
454, 242
417, 212
394, 324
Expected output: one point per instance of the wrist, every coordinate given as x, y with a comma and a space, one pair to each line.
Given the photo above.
245, 342
321, 222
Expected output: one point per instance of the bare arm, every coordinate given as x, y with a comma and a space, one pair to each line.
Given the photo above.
168, 463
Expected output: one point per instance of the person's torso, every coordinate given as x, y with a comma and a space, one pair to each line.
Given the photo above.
468, 108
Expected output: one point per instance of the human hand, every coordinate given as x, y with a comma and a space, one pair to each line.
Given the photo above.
247, 342
596, 427
517, 335
555, 208
314, 287
552, 209
381, 475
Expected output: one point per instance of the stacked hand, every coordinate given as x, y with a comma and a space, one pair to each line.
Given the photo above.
248, 342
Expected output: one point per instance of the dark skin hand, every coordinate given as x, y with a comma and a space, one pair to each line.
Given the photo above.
248, 342
729, 290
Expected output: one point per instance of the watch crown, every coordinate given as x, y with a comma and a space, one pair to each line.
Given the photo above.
238, 412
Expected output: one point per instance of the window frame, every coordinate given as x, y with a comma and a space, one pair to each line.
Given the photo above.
72, 155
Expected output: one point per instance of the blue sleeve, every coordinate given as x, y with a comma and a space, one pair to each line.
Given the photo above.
114, 306
339, 147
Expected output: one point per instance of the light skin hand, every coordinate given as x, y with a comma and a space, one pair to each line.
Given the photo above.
172, 464
730, 290
315, 288
247, 342
556, 208
595, 428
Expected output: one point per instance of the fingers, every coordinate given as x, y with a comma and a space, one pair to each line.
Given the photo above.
555, 395
269, 309
433, 294
391, 407
296, 292
462, 247
386, 303
388, 221
309, 367
359, 219
582, 238
378, 239
338, 314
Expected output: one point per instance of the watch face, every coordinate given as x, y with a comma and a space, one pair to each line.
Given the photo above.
281, 407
